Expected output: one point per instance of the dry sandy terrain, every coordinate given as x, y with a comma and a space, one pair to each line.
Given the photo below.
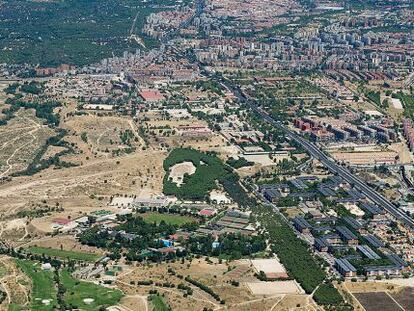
102, 135
67, 243
178, 171
274, 288
215, 275
88, 187
12, 280
20, 139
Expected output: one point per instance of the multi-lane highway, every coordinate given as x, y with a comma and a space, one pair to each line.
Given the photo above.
315, 152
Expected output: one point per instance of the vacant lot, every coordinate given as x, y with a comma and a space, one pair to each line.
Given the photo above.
377, 301
215, 275
405, 297
105, 136
274, 288
14, 283
87, 187
20, 141
163, 134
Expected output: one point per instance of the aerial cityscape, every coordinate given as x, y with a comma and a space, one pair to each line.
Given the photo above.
207, 155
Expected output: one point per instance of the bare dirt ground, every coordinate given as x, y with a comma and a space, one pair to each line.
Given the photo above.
20, 139
3, 97
100, 136
385, 294
163, 134
64, 242
88, 187
100, 173
14, 282
215, 275
134, 302
178, 171
404, 153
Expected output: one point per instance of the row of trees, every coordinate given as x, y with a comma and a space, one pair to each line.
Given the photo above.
292, 252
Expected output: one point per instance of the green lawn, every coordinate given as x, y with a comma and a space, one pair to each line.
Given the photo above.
168, 218
53, 252
77, 291
42, 288
159, 303
14, 307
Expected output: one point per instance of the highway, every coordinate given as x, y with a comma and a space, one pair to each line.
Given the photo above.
315, 152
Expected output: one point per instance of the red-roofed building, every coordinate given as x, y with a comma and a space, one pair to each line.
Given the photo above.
151, 96
61, 221
208, 212
179, 234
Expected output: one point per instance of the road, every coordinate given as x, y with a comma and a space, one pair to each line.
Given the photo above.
318, 154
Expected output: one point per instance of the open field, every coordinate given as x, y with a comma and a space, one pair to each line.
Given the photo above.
214, 275
387, 294
79, 189
67, 243
3, 97
167, 218
274, 288
377, 301
405, 297
102, 136
163, 134
178, 171
52, 252
14, 283
20, 140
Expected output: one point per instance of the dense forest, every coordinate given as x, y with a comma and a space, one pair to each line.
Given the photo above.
75, 32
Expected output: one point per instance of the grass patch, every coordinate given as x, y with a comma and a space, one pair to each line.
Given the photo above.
3, 271
407, 101
14, 307
42, 288
77, 291
158, 303
167, 218
53, 252
327, 294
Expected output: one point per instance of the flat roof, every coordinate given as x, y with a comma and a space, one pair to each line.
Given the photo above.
368, 252
302, 222
373, 240
345, 265
346, 233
